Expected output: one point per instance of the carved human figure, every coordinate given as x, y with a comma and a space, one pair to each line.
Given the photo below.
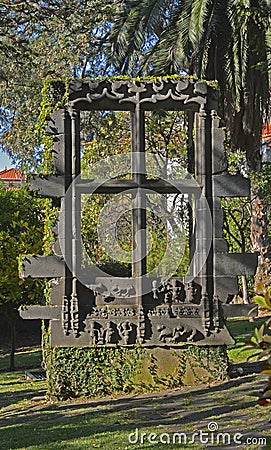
108, 333
190, 292
175, 291
125, 329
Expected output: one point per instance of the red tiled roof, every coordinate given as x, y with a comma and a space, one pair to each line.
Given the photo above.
266, 134
11, 175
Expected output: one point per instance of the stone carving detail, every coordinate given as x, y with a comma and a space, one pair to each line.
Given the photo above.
144, 92
186, 311
175, 335
163, 323
125, 329
103, 312
109, 332
75, 315
173, 291
141, 326
66, 315
115, 292
206, 317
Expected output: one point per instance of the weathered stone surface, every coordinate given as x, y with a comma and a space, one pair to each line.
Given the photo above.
225, 286
226, 185
61, 154
56, 122
43, 267
220, 245
48, 186
41, 312
240, 310
218, 159
90, 309
227, 264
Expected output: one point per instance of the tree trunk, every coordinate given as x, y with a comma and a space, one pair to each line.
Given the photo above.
259, 230
259, 235
12, 343
244, 289
11, 315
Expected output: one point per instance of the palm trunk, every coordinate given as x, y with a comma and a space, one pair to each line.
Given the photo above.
259, 230
259, 223
259, 238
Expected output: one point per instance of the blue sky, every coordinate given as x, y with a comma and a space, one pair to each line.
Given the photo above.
5, 162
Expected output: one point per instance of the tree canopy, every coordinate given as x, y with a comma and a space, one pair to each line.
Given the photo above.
227, 41
38, 40
21, 233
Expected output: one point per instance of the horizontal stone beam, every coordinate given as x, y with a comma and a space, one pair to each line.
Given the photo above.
229, 264
189, 186
240, 310
43, 267
41, 312
48, 186
226, 185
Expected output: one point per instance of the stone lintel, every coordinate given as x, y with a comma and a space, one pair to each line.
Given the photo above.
188, 186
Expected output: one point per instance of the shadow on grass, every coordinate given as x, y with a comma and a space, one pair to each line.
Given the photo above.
51, 425
12, 398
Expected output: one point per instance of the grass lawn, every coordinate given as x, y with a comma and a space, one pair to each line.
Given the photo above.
29, 421
242, 330
28, 358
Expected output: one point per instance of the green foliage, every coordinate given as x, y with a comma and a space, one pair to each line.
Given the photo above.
262, 187
261, 343
224, 41
56, 39
237, 223
213, 360
92, 372
30, 359
54, 96
109, 136
21, 233
101, 371
33, 423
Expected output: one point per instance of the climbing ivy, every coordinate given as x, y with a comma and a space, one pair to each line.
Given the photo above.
54, 95
100, 371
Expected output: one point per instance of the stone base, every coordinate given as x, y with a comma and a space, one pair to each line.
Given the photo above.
98, 372
183, 367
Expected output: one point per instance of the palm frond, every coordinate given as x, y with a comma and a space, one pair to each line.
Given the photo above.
138, 22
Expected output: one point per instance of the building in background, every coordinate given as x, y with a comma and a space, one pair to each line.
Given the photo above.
266, 144
12, 178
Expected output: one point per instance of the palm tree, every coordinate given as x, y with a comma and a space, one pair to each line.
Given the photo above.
224, 40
